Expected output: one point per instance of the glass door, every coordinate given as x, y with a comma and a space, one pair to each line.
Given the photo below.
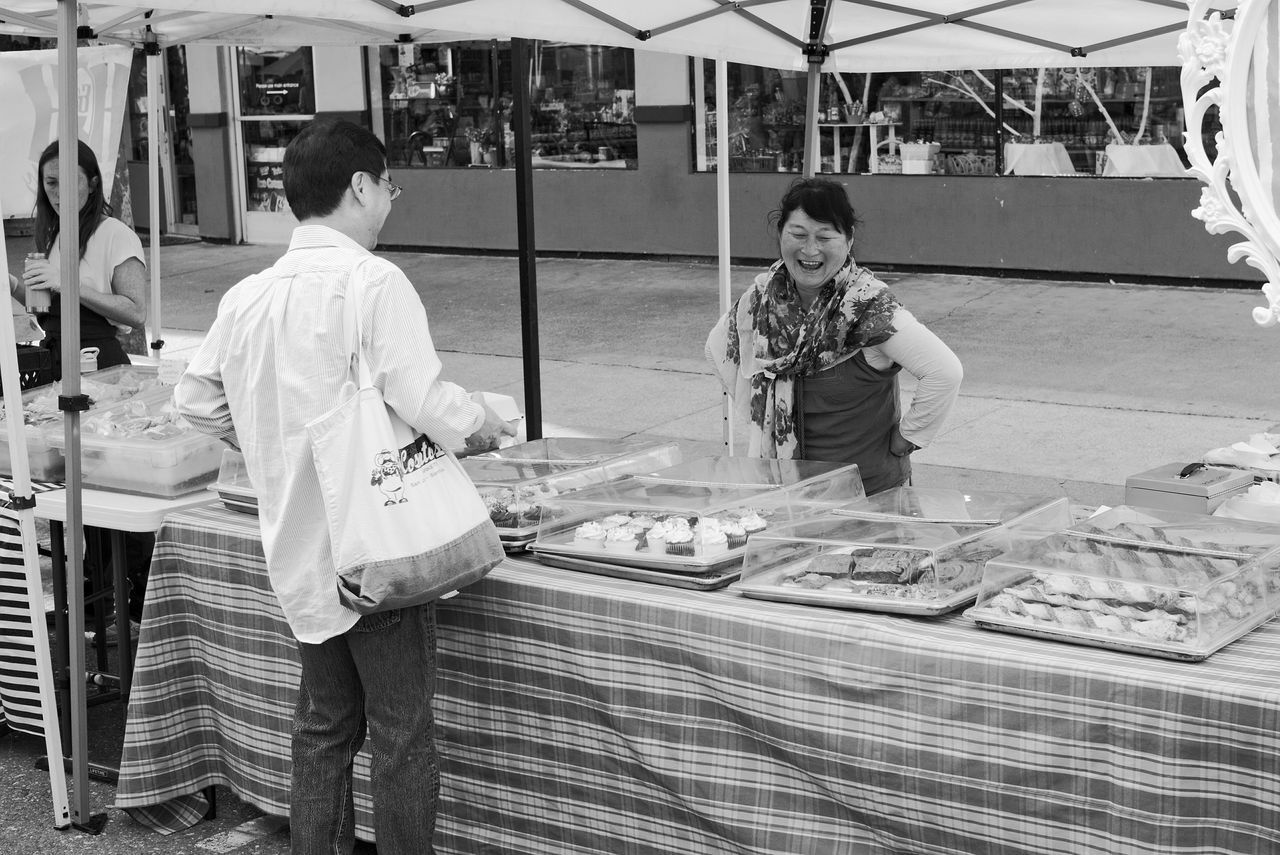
276, 99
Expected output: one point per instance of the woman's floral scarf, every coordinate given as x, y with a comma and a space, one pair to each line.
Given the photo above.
768, 339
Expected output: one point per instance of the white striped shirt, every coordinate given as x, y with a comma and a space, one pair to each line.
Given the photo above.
275, 359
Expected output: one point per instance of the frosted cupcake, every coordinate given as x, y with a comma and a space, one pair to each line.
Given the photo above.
615, 520
620, 539
735, 533
680, 541
752, 522
710, 540
590, 534
655, 538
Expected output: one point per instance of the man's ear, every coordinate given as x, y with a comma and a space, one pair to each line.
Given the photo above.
359, 186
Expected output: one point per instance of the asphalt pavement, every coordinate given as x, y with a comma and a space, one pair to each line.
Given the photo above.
1069, 388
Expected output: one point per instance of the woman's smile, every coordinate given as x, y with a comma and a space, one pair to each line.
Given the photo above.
812, 250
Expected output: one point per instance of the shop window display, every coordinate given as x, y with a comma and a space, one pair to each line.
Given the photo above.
450, 105
1110, 122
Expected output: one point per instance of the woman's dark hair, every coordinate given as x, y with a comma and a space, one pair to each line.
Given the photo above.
822, 199
92, 208
319, 163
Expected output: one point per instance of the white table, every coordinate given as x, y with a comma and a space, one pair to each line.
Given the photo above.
118, 513
1143, 161
891, 142
1037, 159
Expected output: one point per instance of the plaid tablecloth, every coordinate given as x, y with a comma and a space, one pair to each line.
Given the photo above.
582, 714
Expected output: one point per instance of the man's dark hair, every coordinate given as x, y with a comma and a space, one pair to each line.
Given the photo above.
320, 161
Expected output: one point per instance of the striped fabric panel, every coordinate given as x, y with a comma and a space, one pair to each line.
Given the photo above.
20, 706
582, 714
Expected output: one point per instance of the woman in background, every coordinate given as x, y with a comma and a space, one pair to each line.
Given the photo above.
113, 274
113, 283
811, 352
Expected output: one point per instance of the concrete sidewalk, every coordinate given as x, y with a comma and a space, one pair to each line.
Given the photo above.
1069, 386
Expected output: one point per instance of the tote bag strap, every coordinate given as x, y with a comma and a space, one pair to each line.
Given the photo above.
353, 323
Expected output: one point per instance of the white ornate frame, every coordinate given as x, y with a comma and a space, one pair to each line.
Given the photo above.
1221, 48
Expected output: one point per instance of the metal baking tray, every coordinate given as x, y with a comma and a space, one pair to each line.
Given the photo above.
702, 582
1181, 652
686, 564
765, 586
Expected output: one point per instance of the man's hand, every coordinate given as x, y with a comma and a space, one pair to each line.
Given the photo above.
491, 431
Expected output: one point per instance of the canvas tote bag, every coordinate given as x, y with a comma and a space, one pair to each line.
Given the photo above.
405, 522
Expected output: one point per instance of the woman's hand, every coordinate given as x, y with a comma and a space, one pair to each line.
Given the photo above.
39, 273
899, 445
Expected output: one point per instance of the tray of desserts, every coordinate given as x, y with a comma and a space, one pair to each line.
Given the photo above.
693, 581
666, 542
892, 563
1139, 580
516, 482
684, 524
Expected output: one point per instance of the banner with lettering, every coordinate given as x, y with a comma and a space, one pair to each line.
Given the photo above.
30, 94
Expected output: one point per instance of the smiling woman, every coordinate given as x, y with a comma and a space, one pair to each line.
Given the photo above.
811, 352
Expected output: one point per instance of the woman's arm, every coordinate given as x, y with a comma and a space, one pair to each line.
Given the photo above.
127, 302
936, 368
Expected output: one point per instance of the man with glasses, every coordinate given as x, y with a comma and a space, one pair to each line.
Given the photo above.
275, 359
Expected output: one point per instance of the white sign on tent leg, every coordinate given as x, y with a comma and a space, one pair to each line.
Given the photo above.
10, 381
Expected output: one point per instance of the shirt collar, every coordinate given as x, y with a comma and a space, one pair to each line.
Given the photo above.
318, 237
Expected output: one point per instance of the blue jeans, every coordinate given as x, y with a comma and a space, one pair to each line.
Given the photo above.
381, 672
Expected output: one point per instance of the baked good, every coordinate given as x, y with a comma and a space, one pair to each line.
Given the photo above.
620, 539
680, 541
590, 534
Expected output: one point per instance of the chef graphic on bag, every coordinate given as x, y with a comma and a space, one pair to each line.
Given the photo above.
388, 477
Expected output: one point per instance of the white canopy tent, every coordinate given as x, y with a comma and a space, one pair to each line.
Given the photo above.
818, 35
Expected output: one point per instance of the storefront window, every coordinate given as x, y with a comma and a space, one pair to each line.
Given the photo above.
1122, 122
450, 105
276, 82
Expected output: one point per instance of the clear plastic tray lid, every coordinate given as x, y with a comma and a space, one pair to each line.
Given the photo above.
637, 493
944, 505
572, 451
1178, 530
486, 470
748, 472
840, 531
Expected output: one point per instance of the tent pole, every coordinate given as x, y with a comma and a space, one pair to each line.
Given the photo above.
522, 126
69, 249
156, 122
812, 145
722, 207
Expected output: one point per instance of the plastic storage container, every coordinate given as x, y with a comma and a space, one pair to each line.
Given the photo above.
1163, 583
891, 559
515, 482
142, 446
233, 485
665, 529
944, 505
836, 483
43, 420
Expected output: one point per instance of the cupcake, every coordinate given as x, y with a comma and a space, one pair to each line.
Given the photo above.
644, 522
524, 513
735, 532
752, 522
710, 540
655, 539
499, 510
680, 541
590, 534
621, 539
615, 520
